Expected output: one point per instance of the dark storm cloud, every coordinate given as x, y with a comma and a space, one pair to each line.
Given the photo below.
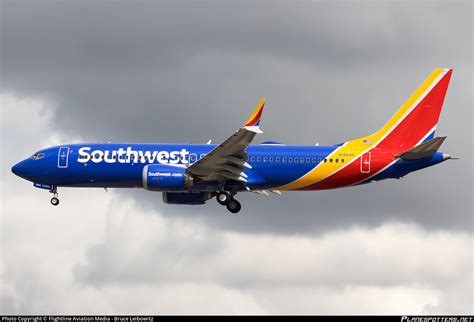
187, 72
110, 64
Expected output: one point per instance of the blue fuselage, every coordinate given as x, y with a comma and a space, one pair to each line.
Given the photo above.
121, 165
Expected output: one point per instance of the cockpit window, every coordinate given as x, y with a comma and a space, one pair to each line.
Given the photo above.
37, 156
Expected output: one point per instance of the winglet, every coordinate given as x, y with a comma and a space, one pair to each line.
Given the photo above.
254, 120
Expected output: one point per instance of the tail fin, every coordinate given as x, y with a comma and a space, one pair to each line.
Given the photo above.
416, 120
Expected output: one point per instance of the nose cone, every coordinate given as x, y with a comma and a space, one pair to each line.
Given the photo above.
21, 169
16, 169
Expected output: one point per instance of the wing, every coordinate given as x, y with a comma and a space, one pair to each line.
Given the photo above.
228, 160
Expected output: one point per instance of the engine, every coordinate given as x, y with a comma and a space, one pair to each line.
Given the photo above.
162, 177
186, 198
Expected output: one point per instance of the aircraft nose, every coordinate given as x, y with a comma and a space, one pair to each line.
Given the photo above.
19, 169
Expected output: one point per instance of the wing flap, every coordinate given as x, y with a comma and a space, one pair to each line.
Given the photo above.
231, 176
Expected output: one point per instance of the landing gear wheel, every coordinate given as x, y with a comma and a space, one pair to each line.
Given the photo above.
223, 198
54, 201
234, 206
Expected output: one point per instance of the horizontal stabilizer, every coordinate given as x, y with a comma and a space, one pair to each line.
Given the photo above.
423, 150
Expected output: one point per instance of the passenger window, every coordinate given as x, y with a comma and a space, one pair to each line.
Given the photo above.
337, 160
313, 160
296, 160
330, 160
259, 159
265, 159
201, 156
284, 159
319, 160
252, 159
342, 161
290, 159
271, 159
325, 160
307, 160
277, 159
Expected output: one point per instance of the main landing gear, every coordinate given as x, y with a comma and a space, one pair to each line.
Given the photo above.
226, 199
55, 199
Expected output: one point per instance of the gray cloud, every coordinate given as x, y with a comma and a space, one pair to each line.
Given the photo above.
110, 63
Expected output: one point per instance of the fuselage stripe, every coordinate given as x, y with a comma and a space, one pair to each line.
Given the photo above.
394, 161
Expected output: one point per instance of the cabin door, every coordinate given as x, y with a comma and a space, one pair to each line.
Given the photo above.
365, 163
63, 156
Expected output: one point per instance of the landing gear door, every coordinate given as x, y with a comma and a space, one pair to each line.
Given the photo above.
63, 156
365, 163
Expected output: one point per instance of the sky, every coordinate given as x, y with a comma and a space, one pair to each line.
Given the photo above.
190, 71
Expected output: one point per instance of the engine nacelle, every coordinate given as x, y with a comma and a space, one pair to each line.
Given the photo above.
186, 198
162, 177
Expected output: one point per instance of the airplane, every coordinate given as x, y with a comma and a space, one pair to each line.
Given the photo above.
191, 174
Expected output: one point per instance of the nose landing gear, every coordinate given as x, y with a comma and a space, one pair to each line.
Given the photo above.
55, 199
226, 199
